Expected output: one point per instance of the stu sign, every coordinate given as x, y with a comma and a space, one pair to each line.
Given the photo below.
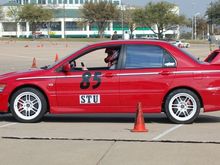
89, 99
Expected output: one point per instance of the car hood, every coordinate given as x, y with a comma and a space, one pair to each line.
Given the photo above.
23, 73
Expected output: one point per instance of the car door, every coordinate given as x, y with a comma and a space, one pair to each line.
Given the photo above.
90, 86
146, 75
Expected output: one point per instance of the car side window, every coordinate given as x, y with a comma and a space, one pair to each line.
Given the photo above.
168, 60
93, 59
147, 56
104, 58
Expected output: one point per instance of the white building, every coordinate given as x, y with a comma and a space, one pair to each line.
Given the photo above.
65, 23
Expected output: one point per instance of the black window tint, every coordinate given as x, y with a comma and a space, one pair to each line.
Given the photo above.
144, 56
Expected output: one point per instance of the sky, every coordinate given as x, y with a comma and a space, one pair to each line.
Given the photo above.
187, 7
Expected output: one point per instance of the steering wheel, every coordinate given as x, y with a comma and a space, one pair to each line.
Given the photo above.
83, 66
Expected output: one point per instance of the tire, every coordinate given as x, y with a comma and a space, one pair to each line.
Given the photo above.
28, 105
182, 106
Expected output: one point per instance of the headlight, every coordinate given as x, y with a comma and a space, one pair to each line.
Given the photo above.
2, 87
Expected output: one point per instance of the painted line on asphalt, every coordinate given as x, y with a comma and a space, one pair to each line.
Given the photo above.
6, 125
105, 153
167, 132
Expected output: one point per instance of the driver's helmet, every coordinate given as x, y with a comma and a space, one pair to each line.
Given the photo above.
112, 55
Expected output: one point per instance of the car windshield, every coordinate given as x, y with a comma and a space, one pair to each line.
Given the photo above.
55, 63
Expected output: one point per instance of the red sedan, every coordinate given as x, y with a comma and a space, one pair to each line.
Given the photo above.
112, 77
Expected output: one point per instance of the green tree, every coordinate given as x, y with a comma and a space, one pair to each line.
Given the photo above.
161, 14
1, 13
13, 13
35, 15
100, 13
128, 19
213, 12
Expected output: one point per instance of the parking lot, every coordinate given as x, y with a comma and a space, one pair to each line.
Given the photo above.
97, 138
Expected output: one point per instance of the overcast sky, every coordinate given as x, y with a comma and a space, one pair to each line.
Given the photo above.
187, 7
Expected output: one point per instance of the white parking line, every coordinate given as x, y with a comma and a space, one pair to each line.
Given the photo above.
6, 125
167, 131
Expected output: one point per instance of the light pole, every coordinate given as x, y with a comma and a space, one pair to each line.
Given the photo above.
195, 24
193, 3
211, 15
192, 27
64, 17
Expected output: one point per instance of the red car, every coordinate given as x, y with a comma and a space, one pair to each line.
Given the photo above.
112, 77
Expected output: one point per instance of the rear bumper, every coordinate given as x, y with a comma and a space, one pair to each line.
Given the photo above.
211, 100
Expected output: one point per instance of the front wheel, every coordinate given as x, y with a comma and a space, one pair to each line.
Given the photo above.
28, 105
182, 106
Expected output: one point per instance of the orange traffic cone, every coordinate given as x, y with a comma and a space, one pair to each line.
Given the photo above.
56, 57
139, 125
34, 63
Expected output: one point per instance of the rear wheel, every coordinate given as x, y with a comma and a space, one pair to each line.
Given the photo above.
28, 105
182, 106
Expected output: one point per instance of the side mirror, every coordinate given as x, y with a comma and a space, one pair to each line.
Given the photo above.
66, 67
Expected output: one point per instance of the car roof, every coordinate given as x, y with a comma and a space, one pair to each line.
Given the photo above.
134, 41
113, 43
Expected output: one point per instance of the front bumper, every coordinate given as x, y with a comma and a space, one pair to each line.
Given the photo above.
4, 102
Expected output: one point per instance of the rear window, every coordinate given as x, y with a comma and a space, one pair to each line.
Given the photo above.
190, 55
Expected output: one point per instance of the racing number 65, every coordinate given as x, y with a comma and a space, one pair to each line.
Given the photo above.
85, 83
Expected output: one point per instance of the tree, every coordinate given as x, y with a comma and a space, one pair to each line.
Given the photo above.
161, 14
99, 13
128, 19
1, 13
34, 15
213, 12
201, 26
13, 13
186, 35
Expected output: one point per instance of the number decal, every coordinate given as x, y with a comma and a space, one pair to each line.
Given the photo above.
85, 83
85, 80
98, 79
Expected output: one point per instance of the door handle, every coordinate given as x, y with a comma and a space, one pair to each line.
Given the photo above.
165, 73
108, 75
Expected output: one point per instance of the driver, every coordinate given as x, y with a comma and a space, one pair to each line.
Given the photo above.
112, 57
